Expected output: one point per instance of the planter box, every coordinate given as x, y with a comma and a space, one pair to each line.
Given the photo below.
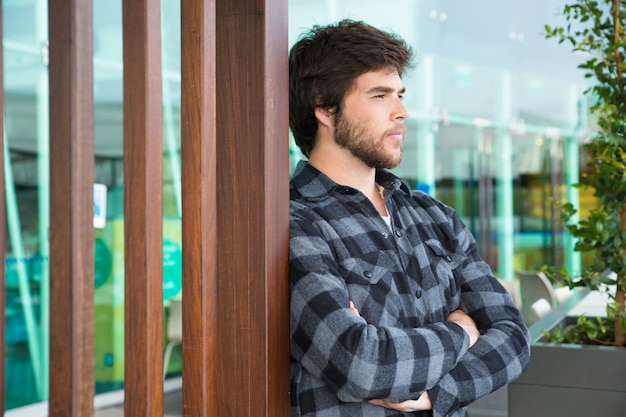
569, 380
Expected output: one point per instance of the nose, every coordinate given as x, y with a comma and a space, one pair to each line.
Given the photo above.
400, 112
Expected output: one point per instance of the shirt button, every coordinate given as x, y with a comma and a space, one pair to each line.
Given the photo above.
448, 258
368, 274
418, 294
398, 233
385, 235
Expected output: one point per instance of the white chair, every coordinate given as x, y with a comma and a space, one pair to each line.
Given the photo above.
562, 293
174, 330
539, 308
534, 285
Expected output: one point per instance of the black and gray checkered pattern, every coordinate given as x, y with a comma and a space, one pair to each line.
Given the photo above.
404, 281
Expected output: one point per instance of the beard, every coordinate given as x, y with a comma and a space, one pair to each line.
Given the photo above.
365, 145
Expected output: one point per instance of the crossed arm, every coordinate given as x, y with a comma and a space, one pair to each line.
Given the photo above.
423, 402
360, 360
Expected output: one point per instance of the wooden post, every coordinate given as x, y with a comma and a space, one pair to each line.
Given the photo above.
199, 178
143, 211
71, 208
252, 208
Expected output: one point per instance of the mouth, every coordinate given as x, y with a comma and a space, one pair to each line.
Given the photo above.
396, 135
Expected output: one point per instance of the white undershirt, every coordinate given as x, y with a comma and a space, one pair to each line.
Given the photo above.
387, 220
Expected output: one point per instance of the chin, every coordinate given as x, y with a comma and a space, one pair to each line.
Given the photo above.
393, 163
389, 164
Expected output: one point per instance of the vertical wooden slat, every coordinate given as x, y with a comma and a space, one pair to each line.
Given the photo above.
276, 156
3, 230
71, 208
252, 206
199, 208
143, 212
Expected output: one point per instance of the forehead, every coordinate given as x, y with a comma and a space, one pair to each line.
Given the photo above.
384, 78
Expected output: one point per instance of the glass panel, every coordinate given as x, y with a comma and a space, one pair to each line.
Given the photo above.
27, 192
172, 198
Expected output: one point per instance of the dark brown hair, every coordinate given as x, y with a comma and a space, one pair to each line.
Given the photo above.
324, 63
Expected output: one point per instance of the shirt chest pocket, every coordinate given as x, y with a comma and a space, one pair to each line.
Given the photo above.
371, 289
445, 266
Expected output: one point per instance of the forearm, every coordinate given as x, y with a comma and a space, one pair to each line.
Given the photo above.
500, 356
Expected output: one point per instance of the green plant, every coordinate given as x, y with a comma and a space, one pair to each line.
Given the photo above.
595, 28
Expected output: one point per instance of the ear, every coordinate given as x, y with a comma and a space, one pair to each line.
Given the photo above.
324, 116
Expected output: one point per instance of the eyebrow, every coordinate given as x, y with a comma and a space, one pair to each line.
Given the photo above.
383, 89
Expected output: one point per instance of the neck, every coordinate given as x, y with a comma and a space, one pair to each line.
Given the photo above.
344, 168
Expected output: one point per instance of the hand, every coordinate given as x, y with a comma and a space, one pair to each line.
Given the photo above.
409, 406
354, 310
467, 323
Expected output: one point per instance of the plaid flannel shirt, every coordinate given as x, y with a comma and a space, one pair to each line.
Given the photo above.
404, 282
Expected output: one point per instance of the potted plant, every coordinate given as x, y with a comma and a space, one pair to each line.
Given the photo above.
568, 378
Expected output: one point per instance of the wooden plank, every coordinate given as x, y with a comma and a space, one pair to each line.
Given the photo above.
198, 115
276, 154
143, 211
252, 205
71, 208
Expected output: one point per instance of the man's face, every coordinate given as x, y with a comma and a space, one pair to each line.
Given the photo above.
371, 125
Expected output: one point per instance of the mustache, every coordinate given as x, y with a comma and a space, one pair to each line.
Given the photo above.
399, 128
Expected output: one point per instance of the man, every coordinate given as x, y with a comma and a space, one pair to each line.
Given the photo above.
393, 312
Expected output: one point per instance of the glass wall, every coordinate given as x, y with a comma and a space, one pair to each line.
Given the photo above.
495, 115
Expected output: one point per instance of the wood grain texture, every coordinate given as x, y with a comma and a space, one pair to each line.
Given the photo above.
235, 208
71, 209
143, 211
199, 177
252, 207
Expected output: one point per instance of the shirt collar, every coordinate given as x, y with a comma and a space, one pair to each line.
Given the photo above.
313, 185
